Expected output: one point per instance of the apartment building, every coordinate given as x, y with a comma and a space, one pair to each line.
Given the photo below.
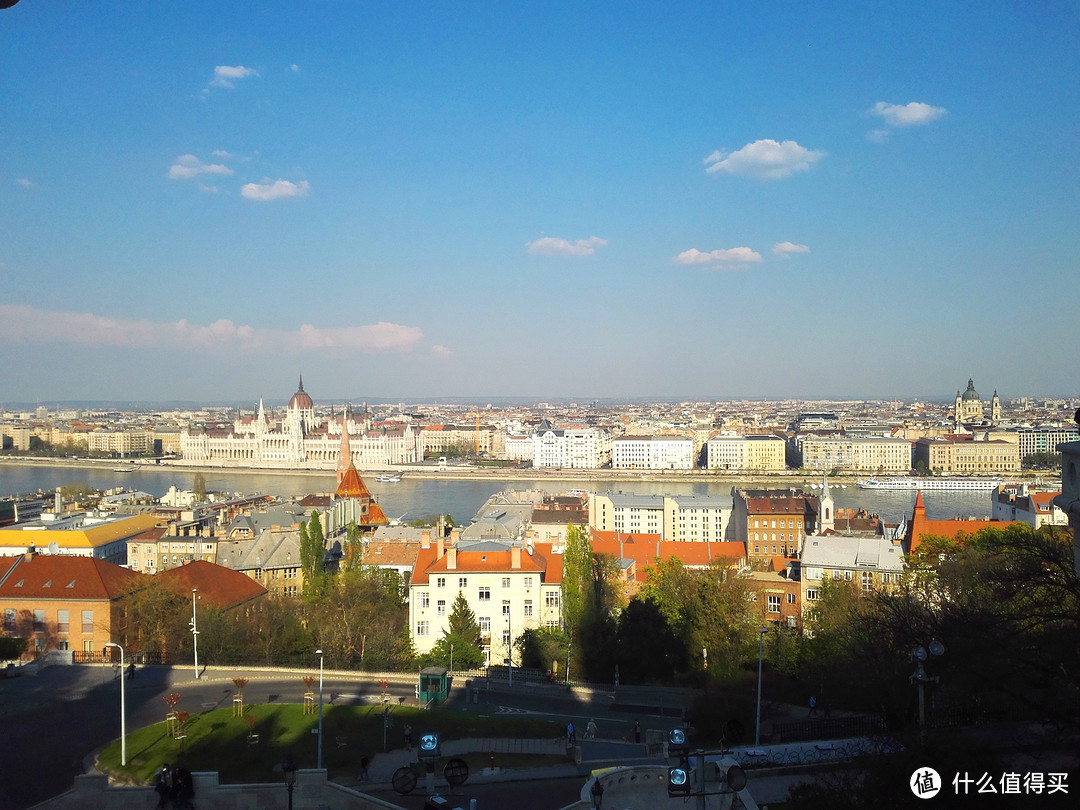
573, 447
856, 455
652, 453
510, 588
1017, 502
968, 455
751, 453
773, 523
869, 562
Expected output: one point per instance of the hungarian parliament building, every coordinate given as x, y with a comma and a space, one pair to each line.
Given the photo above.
300, 440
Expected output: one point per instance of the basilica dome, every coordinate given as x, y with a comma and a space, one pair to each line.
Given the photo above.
969, 395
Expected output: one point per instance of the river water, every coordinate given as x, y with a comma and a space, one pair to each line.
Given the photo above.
417, 497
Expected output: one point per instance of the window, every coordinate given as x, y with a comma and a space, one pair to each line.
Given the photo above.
9, 619
527, 608
551, 599
88, 621
506, 607
463, 582
506, 639
61, 621
421, 628
774, 603
837, 574
847, 576
39, 621
506, 582
791, 599
867, 580
886, 578
425, 599
440, 607
440, 582
484, 594
811, 594
484, 623
527, 582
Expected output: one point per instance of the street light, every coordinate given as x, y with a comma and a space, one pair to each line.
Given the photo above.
757, 723
123, 707
935, 649
509, 651
195, 632
320, 654
288, 767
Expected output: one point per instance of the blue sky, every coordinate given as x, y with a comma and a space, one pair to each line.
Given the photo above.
410, 200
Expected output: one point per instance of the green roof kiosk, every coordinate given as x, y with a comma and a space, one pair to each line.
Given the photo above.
434, 686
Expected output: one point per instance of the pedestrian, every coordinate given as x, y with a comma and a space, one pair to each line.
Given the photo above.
183, 788
163, 785
571, 735
813, 706
363, 775
408, 736
590, 730
131, 671
637, 731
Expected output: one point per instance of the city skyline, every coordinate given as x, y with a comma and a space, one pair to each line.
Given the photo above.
668, 202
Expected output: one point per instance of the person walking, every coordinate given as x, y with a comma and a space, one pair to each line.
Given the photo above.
408, 736
363, 775
637, 731
163, 785
131, 671
590, 730
571, 735
813, 706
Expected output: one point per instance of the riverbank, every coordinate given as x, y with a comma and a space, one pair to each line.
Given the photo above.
787, 478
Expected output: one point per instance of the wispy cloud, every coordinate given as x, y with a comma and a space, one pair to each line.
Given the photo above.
187, 166
765, 159
294, 68
878, 135
907, 115
275, 190
25, 325
24, 182
785, 249
228, 75
729, 257
441, 351
554, 246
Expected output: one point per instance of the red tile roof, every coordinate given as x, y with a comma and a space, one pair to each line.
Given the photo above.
218, 586
57, 576
921, 526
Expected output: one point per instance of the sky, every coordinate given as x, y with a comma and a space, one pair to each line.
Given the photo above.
677, 200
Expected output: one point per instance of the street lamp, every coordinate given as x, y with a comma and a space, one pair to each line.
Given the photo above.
320, 654
123, 707
288, 767
195, 632
935, 649
509, 651
757, 722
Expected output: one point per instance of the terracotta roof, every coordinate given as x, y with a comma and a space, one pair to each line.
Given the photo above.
59, 576
218, 586
391, 553
920, 526
542, 561
644, 549
352, 485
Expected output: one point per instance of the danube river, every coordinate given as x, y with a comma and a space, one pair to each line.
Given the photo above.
419, 497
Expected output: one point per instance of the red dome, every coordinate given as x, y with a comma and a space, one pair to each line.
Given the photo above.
300, 400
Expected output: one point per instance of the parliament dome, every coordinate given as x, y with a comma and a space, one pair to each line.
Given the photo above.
300, 400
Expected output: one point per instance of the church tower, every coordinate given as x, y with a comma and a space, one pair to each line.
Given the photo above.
345, 452
827, 508
995, 408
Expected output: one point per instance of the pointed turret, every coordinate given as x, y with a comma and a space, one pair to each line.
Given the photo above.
345, 451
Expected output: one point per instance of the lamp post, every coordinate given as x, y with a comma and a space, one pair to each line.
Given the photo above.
757, 722
123, 707
195, 632
921, 655
319, 758
288, 767
509, 651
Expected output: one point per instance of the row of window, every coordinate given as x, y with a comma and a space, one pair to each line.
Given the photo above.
63, 621
551, 601
791, 524
463, 583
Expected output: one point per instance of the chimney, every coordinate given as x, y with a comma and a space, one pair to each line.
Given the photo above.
451, 558
440, 549
455, 535
515, 557
425, 538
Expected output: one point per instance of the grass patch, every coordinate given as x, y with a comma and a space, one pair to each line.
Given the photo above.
217, 741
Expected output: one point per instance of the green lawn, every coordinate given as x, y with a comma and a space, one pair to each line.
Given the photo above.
218, 741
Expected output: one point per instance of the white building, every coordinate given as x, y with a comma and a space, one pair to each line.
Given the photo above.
300, 441
652, 453
676, 518
865, 455
509, 588
574, 447
1013, 502
755, 452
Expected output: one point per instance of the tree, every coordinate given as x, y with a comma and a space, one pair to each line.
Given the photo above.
542, 648
157, 621
312, 555
361, 619
648, 648
352, 552
11, 647
198, 486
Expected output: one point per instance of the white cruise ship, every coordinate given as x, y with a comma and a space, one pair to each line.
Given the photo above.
930, 484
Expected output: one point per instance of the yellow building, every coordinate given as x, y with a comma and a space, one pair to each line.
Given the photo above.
968, 456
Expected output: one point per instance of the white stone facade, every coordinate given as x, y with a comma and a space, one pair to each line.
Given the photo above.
652, 453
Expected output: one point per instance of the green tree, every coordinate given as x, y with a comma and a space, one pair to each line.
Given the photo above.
11, 647
313, 555
543, 648
352, 551
360, 619
198, 486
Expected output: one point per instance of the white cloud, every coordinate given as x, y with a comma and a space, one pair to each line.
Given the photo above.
226, 75
275, 190
441, 351
726, 257
785, 249
907, 115
187, 166
765, 159
294, 68
24, 325
878, 135
208, 189
25, 182
554, 246
221, 153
